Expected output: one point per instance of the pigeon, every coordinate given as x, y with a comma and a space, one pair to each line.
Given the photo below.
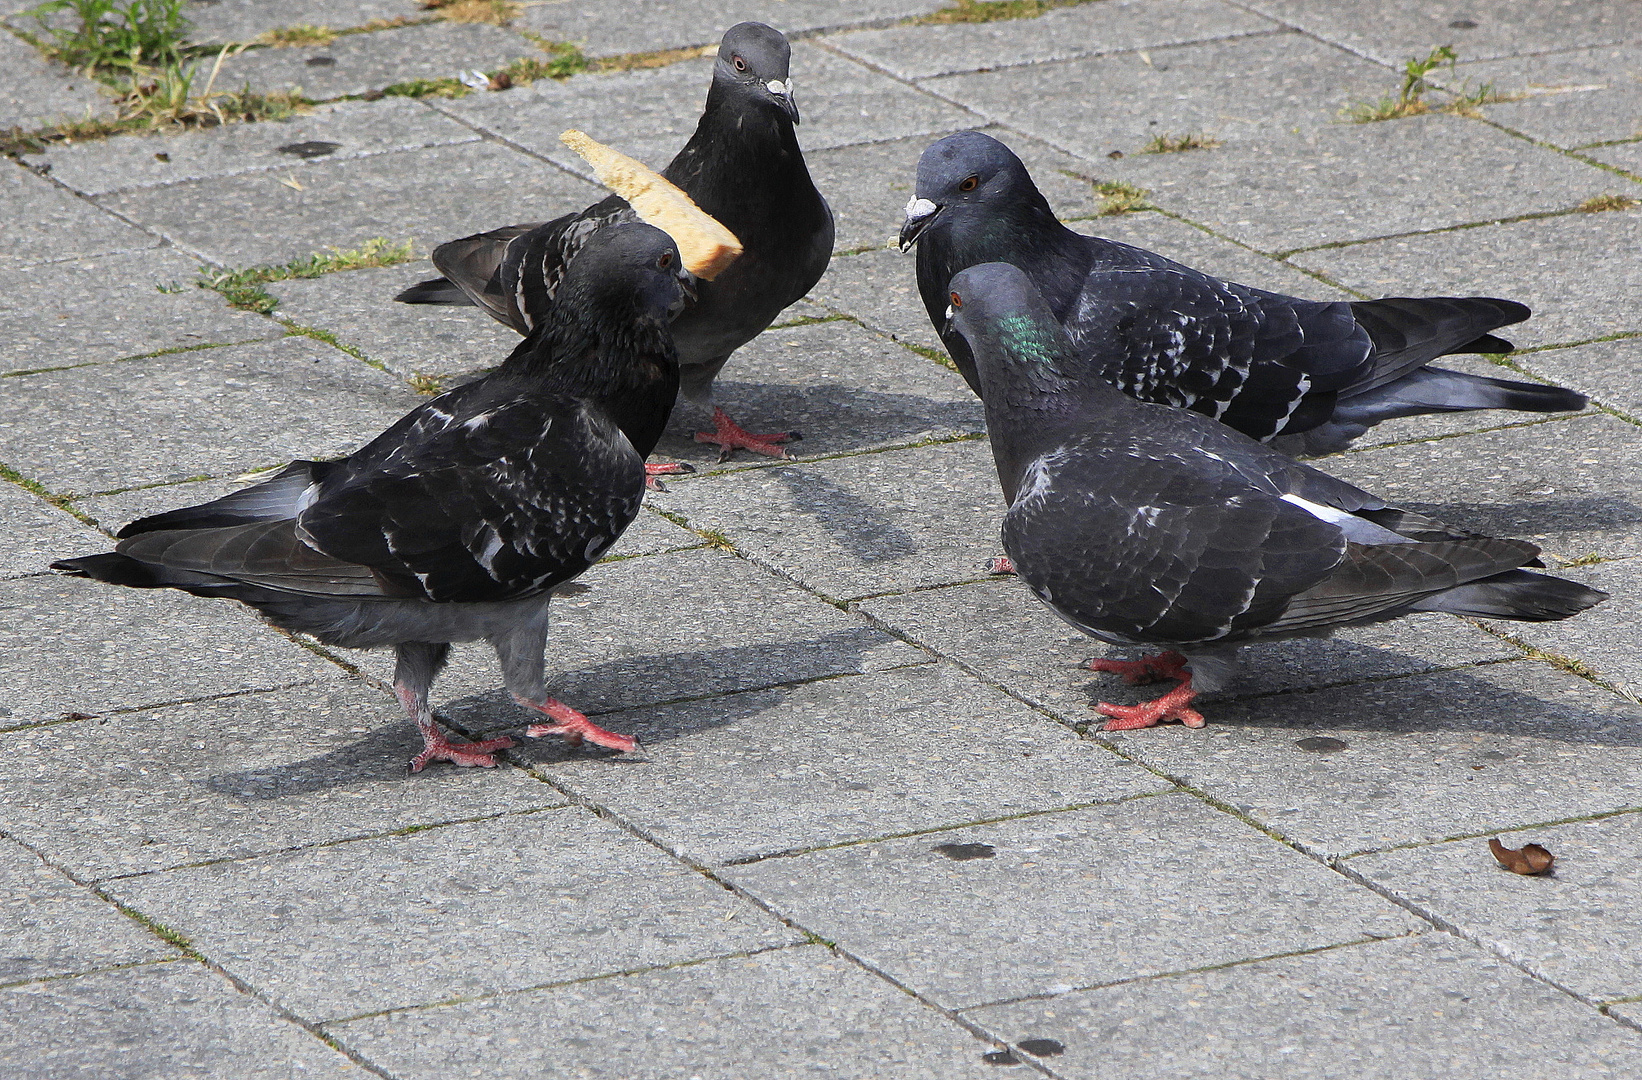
1154, 526
459, 521
743, 167
1308, 376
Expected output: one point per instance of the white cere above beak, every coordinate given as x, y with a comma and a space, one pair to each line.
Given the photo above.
950, 313
776, 86
918, 209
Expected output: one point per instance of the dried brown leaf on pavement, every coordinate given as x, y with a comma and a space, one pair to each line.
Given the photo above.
1529, 859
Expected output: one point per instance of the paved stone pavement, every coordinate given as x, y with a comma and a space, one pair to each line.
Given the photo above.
873, 835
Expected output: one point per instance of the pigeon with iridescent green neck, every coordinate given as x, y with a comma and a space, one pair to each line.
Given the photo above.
1158, 528
1309, 376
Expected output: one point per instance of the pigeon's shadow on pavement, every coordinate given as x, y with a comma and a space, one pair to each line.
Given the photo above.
832, 417
856, 525
773, 668
1536, 517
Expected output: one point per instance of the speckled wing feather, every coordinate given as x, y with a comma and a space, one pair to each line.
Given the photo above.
485, 493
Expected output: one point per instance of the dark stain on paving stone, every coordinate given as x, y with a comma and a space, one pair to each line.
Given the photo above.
965, 852
320, 61
1000, 1057
1043, 1047
316, 148
1322, 744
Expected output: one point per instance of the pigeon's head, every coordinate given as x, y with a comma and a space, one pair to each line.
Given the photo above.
753, 59
632, 272
1007, 325
964, 171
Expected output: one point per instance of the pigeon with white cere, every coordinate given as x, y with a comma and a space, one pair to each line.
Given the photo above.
459, 521
1152, 526
743, 167
1308, 376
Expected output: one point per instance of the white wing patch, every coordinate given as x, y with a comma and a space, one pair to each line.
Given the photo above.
1358, 530
1038, 476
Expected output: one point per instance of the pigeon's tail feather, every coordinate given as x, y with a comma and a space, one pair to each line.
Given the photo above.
1517, 595
1436, 390
114, 568
276, 498
436, 291
1409, 332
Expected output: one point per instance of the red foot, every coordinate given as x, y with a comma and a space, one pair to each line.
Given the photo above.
1003, 564
1148, 669
730, 437
1171, 706
575, 727
436, 747
669, 468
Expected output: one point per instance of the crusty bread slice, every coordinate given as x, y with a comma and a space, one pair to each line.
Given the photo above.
706, 246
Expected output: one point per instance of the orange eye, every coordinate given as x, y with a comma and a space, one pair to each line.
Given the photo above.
957, 301
666, 260
740, 64
970, 183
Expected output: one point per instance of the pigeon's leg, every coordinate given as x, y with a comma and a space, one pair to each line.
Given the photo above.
729, 437
521, 655
1171, 706
1148, 669
1001, 564
664, 468
419, 663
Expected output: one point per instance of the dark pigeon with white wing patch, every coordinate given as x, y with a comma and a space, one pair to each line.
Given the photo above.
457, 523
1309, 376
1146, 525
744, 168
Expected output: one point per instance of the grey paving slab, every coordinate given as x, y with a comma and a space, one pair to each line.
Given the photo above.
1420, 1006
880, 288
236, 777
1071, 899
1001, 630
786, 1012
668, 628
363, 62
103, 308
1361, 181
408, 339
1573, 927
430, 196
651, 113
605, 29
47, 224
220, 21
1599, 638
35, 92
356, 128
1627, 155
337, 931
34, 533
840, 386
1575, 271
1566, 98
79, 646
54, 927
1606, 370
1248, 91
869, 185
159, 1020
860, 525
842, 760
1549, 745
1395, 30
914, 52
1567, 485
290, 398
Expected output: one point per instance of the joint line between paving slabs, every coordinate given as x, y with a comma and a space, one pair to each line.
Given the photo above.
68, 975
1602, 816
126, 710
639, 833
183, 945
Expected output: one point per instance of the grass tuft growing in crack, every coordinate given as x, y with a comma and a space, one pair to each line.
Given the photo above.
494, 12
1120, 197
105, 36
426, 385
982, 11
1600, 203
243, 288
1176, 144
300, 34
1410, 100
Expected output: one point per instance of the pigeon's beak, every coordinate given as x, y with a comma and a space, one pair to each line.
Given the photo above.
686, 286
920, 212
781, 93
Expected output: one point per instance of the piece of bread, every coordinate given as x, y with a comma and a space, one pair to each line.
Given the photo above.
706, 246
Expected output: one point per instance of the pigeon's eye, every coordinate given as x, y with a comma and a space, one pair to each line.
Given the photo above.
957, 301
970, 183
666, 260
740, 64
